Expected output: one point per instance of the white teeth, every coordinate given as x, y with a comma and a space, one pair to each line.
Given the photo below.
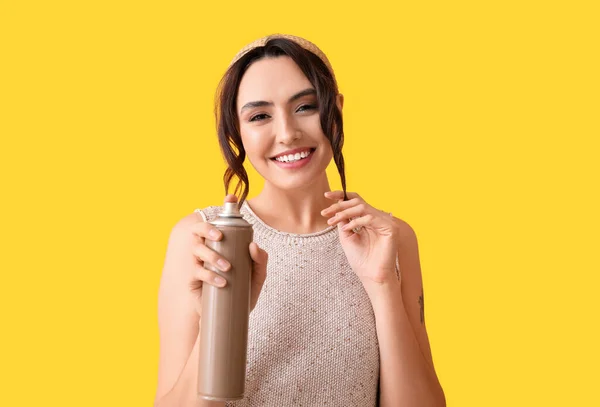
293, 157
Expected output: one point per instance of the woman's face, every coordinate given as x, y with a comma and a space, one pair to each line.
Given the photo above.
278, 112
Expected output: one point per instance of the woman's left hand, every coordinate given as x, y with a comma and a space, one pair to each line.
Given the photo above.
372, 251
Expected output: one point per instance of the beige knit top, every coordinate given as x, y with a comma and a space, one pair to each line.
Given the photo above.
312, 339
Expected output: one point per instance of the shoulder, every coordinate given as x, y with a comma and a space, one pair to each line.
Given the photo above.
184, 225
207, 213
408, 258
181, 234
406, 232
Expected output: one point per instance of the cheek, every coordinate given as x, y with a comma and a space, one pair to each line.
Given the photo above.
311, 124
255, 141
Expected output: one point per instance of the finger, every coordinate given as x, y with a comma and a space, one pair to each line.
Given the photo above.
347, 215
208, 276
259, 259
353, 212
206, 230
258, 255
231, 198
340, 206
208, 255
340, 226
362, 221
196, 287
340, 194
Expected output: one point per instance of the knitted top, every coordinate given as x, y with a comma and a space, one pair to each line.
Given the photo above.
312, 339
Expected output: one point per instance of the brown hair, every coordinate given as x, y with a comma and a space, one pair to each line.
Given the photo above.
228, 132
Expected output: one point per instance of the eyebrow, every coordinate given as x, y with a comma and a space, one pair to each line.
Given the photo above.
260, 103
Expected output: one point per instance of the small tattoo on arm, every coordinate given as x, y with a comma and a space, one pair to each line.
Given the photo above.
422, 304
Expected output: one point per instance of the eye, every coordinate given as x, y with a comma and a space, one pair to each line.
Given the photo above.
257, 117
306, 107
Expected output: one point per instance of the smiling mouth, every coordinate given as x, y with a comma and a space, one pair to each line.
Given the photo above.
291, 158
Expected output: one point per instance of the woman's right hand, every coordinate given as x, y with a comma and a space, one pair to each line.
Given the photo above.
203, 230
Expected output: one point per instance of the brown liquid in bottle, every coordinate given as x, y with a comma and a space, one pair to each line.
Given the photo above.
226, 311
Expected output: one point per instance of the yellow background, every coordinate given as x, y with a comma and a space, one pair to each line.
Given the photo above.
476, 122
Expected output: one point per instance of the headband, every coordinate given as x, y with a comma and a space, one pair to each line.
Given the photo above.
307, 45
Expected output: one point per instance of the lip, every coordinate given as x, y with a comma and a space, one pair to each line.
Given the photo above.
294, 151
295, 164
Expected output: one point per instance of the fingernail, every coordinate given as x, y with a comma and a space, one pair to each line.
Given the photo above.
223, 265
220, 280
213, 233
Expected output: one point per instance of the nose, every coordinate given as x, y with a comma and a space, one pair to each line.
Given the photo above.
287, 130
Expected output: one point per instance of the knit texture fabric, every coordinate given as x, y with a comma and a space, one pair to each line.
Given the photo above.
312, 338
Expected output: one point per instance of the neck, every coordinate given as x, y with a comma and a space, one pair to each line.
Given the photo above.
293, 211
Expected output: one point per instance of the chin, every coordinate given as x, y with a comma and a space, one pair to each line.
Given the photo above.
296, 181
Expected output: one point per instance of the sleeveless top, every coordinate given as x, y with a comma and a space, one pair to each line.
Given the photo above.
312, 338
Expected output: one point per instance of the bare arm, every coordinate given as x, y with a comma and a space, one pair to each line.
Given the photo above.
179, 323
408, 375
183, 393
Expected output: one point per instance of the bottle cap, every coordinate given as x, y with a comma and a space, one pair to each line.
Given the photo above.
231, 210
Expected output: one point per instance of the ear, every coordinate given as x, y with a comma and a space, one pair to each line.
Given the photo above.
340, 101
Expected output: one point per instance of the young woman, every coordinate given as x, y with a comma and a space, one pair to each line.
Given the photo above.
337, 299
